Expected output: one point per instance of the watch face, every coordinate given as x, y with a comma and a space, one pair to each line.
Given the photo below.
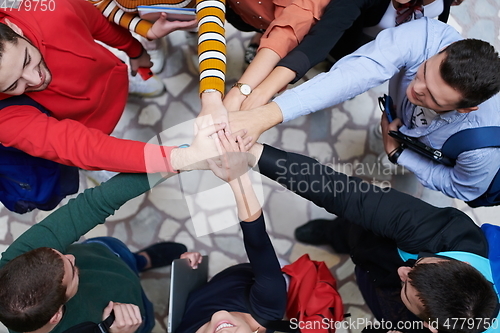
245, 89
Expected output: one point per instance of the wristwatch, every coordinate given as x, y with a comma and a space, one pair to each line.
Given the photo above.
244, 88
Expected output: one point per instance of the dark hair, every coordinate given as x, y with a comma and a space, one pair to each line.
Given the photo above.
454, 289
31, 289
472, 67
7, 35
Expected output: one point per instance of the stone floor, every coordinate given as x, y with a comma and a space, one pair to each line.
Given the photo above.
344, 135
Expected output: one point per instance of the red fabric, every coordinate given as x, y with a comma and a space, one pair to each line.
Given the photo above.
87, 94
312, 297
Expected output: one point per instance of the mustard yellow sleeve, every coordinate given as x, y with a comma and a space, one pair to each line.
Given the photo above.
211, 15
128, 20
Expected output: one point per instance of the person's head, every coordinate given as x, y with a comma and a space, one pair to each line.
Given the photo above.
34, 288
230, 322
460, 77
436, 289
22, 68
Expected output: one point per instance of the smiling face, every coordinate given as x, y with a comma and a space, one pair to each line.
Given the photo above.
227, 322
71, 278
22, 69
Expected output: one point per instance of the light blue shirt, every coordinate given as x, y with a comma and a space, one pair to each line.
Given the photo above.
396, 54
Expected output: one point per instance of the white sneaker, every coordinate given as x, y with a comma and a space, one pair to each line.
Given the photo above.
156, 50
152, 87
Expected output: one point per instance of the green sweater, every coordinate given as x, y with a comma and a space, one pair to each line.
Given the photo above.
103, 276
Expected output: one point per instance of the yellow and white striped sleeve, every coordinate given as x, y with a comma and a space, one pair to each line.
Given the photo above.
128, 20
211, 15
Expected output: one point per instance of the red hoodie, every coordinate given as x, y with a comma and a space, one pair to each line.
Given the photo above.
87, 94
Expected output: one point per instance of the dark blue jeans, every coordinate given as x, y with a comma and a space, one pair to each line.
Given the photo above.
131, 259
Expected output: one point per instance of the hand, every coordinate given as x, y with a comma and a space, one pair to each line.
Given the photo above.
194, 258
234, 161
212, 110
233, 99
203, 147
143, 61
127, 317
163, 27
390, 144
256, 99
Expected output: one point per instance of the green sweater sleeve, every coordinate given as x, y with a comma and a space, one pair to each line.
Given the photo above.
68, 223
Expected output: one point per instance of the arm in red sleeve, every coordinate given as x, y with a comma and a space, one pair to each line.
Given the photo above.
72, 143
105, 31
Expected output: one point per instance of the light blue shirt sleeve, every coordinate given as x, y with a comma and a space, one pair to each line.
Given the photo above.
374, 63
474, 170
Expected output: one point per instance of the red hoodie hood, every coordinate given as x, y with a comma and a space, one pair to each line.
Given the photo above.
89, 84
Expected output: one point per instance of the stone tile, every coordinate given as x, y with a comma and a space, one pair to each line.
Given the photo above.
17, 228
345, 270
120, 232
286, 208
158, 292
357, 312
483, 29
160, 100
168, 229
350, 143
318, 128
128, 210
436, 198
184, 238
176, 38
488, 214
100, 230
144, 226
234, 63
176, 84
206, 240
453, 22
139, 134
339, 119
4, 227
175, 208
484, 10
225, 222
270, 136
360, 108
176, 113
297, 122
315, 253
350, 294
149, 115
230, 244
293, 140
130, 112
174, 64
321, 151
281, 245
218, 262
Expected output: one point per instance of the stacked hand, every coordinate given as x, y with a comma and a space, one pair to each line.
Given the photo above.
127, 317
234, 160
194, 258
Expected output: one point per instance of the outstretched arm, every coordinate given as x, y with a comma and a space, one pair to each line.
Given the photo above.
268, 293
212, 57
415, 225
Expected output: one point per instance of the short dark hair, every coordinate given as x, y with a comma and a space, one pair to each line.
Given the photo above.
472, 67
7, 35
31, 289
454, 289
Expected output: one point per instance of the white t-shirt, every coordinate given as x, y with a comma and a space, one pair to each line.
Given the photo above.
433, 10
422, 117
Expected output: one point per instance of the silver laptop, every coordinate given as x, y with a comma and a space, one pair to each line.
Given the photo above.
183, 280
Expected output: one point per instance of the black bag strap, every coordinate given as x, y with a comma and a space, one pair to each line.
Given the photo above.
470, 139
22, 100
90, 327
